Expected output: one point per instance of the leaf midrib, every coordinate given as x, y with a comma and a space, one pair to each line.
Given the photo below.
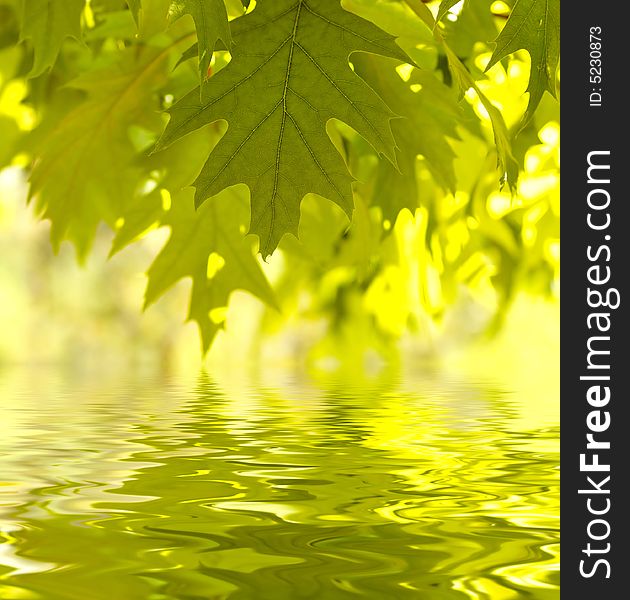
285, 112
292, 39
520, 26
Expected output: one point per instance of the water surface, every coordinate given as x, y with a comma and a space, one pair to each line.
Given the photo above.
190, 490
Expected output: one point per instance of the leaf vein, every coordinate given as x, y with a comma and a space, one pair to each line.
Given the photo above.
345, 29
287, 78
238, 149
518, 29
313, 156
209, 105
332, 82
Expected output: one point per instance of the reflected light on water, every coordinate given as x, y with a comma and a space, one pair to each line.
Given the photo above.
195, 489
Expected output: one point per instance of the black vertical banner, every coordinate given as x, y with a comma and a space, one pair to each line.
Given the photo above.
595, 366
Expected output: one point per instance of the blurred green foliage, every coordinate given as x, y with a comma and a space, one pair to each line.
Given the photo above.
441, 239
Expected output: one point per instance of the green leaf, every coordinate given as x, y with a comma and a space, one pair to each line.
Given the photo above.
83, 172
422, 11
140, 214
445, 6
211, 22
507, 164
104, 6
322, 225
288, 76
9, 26
151, 16
171, 170
398, 20
475, 23
134, 7
207, 245
48, 23
359, 247
534, 25
430, 114
116, 24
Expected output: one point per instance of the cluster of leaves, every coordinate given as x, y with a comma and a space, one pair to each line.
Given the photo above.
218, 118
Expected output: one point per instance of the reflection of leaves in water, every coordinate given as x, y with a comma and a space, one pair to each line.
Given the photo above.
262, 492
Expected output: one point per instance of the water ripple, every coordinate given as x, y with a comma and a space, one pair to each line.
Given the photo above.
183, 492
